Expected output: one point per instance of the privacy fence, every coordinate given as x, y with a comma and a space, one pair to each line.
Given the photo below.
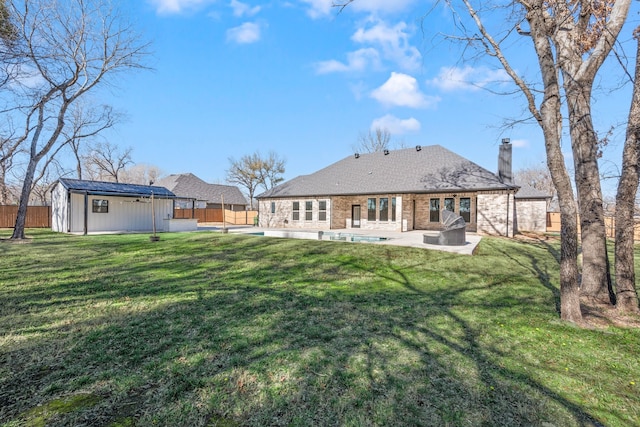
553, 225
215, 215
37, 216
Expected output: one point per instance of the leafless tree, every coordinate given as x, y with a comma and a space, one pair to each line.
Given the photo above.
141, 174
106, 162
373, 141
537, 177
65, 50
271, 170
253, 170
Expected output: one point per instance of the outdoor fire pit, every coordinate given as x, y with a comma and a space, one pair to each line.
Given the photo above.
452, 233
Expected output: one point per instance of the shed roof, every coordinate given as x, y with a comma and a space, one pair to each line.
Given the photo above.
115, 189
188, 185
411, 170
528, 192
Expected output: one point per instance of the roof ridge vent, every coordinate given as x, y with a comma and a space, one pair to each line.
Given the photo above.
386, 152
356, 155
418, 147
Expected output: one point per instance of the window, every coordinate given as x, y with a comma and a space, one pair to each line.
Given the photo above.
450, 204
273, 207
308, 208
100, 206
434, 210
465, 209
296, 211
384, 209
371, 209
322, 210
393, 209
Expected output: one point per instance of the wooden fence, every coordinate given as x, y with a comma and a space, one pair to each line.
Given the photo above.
215, 215
553, 225
37, 216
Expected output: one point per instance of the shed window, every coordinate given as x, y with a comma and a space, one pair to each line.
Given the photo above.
322, 210
308, 208
100, 206
465, 209
296, 211
434, 210
384, 209
371, 209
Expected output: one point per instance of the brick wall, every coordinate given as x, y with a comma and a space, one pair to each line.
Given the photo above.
495, 214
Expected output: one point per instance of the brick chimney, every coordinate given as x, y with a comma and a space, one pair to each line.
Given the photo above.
504, 162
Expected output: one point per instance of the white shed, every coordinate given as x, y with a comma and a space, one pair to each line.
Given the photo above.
79, 206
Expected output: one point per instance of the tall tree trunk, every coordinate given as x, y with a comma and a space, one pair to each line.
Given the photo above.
18, 230
596, 281
626, 294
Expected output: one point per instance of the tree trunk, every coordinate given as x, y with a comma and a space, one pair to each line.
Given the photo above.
596, 281
18, 230
627, 297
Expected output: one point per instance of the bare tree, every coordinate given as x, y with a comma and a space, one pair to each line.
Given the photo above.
373, 141
105, 161
537, 177
253, 170
271, 170
141, 174
66, 50
626, 294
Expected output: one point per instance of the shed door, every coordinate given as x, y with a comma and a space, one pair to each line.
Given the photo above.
355, 216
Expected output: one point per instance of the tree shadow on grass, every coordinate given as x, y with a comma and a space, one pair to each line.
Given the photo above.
273, 332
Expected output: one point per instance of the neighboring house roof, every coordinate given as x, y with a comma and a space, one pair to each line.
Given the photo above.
528, 192
411, 170
189, 186
115, 189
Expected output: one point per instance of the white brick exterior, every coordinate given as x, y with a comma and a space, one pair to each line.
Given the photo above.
531, 215
496, 214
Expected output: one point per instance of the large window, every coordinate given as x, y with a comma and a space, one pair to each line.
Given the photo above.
450, 204
465, 209
100, 206
296, 211
393, 209
384, 209
434, 210
322, 210
371, 209
308, 210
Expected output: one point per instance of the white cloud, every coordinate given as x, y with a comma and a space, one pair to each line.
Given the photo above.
520, 143
381, 6
359, 60
242, 9
402, 90
319, 8
395, 125
177, 6
249, 32
468, 78
392, 41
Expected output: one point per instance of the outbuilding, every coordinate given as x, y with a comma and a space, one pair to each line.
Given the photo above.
80, 206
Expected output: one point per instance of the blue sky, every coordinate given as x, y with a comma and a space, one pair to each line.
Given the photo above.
298, 78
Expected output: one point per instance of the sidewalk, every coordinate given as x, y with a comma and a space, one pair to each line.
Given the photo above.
412, 238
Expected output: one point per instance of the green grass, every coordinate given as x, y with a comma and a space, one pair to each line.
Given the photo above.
210, 329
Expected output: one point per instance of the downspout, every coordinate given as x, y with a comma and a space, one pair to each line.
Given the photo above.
86, 212
68, 211
508, 196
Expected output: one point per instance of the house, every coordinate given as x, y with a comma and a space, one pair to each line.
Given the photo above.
79, 206
400, 190
190, 189
531, 209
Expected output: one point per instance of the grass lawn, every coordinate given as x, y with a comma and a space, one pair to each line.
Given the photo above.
211, 329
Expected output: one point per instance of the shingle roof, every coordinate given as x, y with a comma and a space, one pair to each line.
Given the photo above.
411, 170
189, 186
528, 192
115, 188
